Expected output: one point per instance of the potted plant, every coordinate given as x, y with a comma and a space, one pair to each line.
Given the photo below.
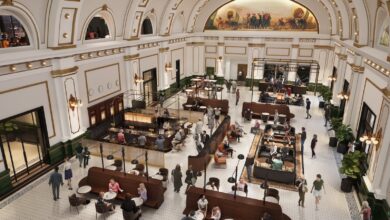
335, 123
344, 135
350, 167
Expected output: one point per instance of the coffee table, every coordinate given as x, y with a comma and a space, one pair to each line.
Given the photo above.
158, 177
84, 189
109, 195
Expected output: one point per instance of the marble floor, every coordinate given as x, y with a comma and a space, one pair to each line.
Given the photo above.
37, 203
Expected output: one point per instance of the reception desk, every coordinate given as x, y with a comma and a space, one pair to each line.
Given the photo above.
295, 89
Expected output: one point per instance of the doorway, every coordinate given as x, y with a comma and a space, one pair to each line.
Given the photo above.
343, 102
178, 73
242, 70
24, 142
150, 86
303, 73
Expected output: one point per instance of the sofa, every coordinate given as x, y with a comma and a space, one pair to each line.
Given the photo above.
98, 179
280, 176
258, 108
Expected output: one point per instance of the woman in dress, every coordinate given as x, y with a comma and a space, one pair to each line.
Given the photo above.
142, 192
68, 173
177, 178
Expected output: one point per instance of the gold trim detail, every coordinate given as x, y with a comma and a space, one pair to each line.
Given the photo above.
7, 3
63, 47
164, 49
295, 46
356, 68
221, 44
131, 57
325, 47
64, 72
358, 45
195, 43
256, 45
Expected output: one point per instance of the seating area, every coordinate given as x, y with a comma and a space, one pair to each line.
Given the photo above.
196, 104
239, 208
98, 179
259, 108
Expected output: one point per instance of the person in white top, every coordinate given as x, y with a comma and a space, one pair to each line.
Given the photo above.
216, 213
68, 173
199, 126
202, 204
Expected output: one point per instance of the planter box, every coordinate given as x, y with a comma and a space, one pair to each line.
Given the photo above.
332, 142
347, 184
342, 148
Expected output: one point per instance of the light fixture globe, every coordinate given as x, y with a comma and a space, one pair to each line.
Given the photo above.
231, 180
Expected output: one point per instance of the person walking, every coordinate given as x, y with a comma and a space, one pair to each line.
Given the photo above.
318, 185
303, 139
250, 160
177, 178
198, 127
79, 153
86, 156
190, 177
302, 190
68, 173
237, 96
366, 211
276, 117
55, 181
313, 146
327, 114
308, 103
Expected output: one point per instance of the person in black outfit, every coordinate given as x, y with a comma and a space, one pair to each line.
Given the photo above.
204, 137
130, 210
303, 139
55, 181
308, 103
190, 177
250, 160
86, 155
327, 114
313, 146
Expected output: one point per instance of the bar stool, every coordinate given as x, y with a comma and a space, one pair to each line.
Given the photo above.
265, 117
282, 119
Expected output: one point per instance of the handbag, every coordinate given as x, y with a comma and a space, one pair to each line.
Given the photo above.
305, 189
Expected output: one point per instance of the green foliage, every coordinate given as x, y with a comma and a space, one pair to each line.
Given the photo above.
336, 122
344, 134
350, 165
325, 92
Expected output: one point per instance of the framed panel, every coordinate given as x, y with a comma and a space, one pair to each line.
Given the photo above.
211, 49
235, 50
305, 52
273, 51
67, 26
143, 3
137, 24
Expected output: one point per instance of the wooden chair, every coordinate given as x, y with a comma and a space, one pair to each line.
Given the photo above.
220, 162
101, 209
118, 164
273, 193
216, 181
74, 202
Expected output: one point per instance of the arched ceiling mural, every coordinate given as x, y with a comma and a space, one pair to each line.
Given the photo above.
276, 15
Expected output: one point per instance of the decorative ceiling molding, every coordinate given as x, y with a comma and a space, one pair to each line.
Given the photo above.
7, 3
64, 72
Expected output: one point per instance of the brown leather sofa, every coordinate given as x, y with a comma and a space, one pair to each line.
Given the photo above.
99, 179
240, 208
214, 103
258, 108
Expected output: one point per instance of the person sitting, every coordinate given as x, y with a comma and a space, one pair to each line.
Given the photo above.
121, 137
248, 115
142, 192
113, 186
227, 148
202, 204
211, 186
242, 186
256, 128
216, 213
130, 210
277, 163
274, 150
166, 126
105, 205
191, 216
80, 200
142, 140
220, 152
160, 142
166, 113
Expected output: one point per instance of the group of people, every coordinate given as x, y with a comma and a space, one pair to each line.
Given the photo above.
190, 179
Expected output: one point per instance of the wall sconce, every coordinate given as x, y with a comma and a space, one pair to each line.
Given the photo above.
369, 140
168, 67
220, 59
332, 78
343, 95
137, 79
74, 102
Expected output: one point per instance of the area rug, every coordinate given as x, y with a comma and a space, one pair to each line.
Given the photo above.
272, 184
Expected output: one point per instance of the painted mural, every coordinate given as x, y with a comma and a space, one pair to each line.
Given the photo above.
384, 40
276, 15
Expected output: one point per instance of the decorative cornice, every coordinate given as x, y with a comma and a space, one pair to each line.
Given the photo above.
342, 56
64, 72
221, 44
325, 47
358, 45
356, 68
131, 57
386, 92
195, 44
164, 49
133, 38
295, 46
256, 45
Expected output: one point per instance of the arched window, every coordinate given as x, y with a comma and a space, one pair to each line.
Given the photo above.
147, 27
12, 32
97, 29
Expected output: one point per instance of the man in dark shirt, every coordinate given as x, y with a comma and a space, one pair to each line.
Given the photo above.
303, 139
313, 146
308, 103
204, 137
55, 181
327, 114
130, 210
